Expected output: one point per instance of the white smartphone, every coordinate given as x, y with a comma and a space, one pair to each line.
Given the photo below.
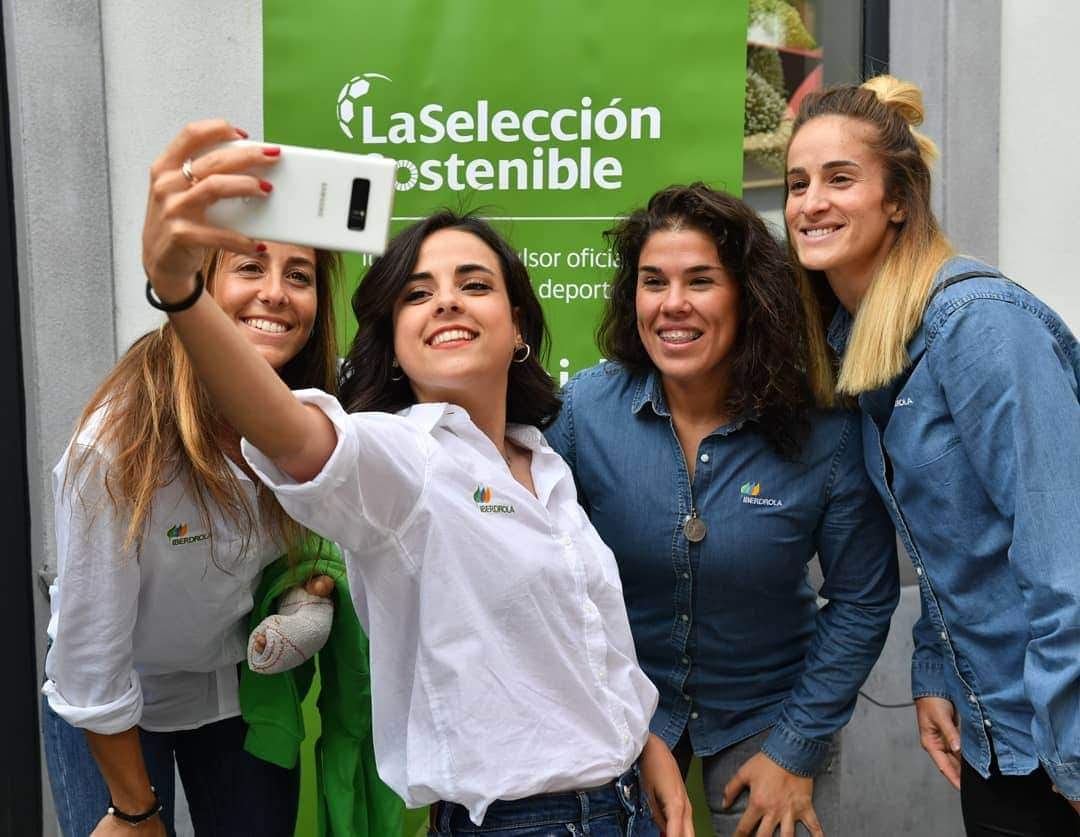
325, 199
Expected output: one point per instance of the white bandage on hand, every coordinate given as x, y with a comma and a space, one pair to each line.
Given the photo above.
296, 632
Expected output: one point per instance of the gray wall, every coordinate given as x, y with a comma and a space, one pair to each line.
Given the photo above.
63, 229
98, 88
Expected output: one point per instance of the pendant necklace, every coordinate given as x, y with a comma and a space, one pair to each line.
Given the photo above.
694, 528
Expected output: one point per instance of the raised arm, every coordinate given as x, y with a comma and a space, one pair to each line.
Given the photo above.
176, 236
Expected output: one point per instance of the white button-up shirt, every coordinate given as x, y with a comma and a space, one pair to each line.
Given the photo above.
502, 663
151, 638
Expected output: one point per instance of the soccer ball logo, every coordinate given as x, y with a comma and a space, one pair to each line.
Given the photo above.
355, 88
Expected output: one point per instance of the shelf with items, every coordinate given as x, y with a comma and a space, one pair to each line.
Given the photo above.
783, 64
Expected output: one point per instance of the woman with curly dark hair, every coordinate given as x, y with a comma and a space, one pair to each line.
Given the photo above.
706, 466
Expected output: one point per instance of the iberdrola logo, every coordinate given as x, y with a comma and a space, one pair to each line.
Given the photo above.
572, 141
482, 498
178, 535
751, 494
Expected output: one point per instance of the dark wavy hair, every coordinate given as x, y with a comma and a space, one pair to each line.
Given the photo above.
768, 368
368, 374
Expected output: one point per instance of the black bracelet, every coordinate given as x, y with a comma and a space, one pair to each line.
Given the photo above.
182, 305
135, 819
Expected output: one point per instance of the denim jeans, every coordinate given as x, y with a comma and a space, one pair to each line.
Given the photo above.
229, 791
618, 809
719, 768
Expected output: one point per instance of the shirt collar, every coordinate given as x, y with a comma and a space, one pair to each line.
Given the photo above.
840, 330
428, 416
840, 333
650, 390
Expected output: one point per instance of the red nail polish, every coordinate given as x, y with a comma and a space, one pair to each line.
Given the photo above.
272, 151
266, 185
260, 247
240, 132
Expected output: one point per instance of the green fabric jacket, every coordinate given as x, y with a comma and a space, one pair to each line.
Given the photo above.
353, 801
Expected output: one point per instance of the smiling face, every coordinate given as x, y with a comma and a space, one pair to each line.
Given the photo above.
838, 218
687, 308
271, 297
454, 328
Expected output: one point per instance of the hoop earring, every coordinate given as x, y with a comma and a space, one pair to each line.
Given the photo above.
395, 365
524, 357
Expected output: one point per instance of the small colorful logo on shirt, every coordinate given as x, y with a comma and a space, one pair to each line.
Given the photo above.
482, 498
751, 491
178, 535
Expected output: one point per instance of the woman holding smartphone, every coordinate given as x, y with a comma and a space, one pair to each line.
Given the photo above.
969, 390
162, 535
505, 687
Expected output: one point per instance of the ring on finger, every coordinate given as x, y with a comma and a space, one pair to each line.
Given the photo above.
189, 175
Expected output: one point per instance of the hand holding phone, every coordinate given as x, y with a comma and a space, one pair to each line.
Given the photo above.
326, 199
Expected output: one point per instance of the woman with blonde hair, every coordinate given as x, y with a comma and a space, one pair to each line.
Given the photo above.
969, 390
162, 535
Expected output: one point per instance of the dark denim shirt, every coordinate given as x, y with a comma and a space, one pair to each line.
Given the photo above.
729, 629
983, 436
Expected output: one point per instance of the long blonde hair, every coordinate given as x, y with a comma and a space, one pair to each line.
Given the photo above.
892, 309
153, 419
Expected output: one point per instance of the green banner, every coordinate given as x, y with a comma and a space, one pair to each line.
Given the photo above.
551, 118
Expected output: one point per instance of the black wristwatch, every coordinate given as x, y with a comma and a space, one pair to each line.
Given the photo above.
134, 819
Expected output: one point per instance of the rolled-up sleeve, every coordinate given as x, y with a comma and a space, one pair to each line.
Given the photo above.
857, 549
1011, 388
90, 677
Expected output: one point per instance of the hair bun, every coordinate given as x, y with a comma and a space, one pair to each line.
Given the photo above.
902, 96
906, 100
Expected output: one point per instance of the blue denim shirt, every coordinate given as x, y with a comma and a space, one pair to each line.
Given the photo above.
983, 437
729, 629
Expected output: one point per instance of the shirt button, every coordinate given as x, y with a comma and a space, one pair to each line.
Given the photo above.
918, 571
686, 697
686, 661
704, 457
972, 699
693, 716
565, 541
686, 575
944, 635
987, 723
685, 617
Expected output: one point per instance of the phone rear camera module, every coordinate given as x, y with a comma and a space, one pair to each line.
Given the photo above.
358, 205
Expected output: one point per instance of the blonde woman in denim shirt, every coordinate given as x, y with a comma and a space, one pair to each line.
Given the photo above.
971, 427
703, 463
